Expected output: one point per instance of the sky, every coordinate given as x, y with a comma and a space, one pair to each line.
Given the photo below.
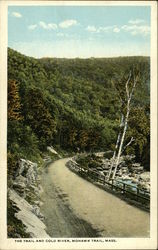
79, 31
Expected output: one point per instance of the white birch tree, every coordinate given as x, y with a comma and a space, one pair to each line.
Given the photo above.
116, 147
132, 79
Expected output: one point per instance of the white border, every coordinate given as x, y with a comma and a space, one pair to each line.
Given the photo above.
79, 3
122, 243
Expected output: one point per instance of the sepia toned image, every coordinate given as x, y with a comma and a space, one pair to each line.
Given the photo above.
79, 81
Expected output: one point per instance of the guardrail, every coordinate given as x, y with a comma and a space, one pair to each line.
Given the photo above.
115, 185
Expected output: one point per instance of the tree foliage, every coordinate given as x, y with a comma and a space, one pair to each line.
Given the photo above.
74, 103
14, 105
38, 117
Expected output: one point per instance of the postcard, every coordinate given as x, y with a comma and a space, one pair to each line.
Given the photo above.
78, 140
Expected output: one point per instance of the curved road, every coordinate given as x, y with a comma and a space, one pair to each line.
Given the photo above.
74, 207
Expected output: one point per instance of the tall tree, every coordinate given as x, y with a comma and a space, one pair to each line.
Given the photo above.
38, 117
130, 85
14, 105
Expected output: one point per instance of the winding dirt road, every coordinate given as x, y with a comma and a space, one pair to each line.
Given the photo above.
74, 207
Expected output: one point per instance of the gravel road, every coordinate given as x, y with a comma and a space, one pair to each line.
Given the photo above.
74, 207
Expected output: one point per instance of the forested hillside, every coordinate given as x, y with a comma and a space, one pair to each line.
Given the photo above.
74, 104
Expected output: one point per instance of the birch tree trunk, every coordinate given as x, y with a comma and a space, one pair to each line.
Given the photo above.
129, 97
116, 147
121, 143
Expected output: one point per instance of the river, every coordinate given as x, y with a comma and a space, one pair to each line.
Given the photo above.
74, 207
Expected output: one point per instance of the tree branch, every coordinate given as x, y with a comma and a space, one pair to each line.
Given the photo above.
127, 90
131, 140
134, 84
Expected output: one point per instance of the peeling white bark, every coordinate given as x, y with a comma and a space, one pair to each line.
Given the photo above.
129, 97
116, 147
131, 140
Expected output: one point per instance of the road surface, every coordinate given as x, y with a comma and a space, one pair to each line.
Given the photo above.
74, 207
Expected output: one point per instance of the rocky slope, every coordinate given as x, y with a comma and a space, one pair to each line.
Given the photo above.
24, 194
128, 169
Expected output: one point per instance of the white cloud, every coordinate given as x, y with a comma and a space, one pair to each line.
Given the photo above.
116, 30
105, 29
16, 14
32, 26
91, 28
134, 27
102, 29
137, 29
67, 23
48, 26
52, 26
136, 21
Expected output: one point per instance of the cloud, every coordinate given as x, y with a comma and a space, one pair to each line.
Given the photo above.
16, 14
91, 29
48, 26
116, 30
67, 23
136, 21
32, 26
134, 27
106, 28
102, 29
137, 29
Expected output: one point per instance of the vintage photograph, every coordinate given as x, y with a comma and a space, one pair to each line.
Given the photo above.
78, 122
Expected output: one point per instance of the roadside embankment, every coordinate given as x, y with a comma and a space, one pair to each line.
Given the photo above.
24, 195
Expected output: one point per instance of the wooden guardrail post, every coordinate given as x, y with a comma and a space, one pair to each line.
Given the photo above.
124, 187
137, 193
94, 175
112, 184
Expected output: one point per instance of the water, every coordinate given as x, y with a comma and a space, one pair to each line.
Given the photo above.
133, 186
111, 216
